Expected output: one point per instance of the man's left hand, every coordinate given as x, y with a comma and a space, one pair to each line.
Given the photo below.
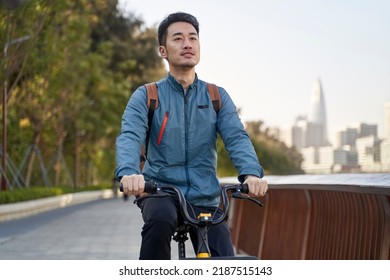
257, 186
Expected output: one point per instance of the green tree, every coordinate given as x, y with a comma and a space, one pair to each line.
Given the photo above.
26, 21
84, 61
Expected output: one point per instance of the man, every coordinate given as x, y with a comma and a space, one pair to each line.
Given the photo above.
182, 145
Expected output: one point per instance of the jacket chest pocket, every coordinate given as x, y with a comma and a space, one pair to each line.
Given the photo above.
204, 125
162, 128
168, 134
205, 117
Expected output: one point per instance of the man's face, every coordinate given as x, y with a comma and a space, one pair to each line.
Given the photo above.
182, 48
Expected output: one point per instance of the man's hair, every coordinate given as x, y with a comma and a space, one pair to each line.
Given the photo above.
172, 18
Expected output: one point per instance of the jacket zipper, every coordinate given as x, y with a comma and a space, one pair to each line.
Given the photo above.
186, 126
162, 129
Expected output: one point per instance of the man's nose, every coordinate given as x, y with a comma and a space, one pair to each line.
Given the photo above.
187, 44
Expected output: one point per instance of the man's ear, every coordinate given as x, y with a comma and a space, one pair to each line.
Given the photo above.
163, 52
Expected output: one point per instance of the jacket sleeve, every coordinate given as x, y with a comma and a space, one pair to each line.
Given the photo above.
236, 140
132, 135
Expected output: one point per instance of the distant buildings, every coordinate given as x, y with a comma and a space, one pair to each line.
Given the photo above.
357, 148
387, 120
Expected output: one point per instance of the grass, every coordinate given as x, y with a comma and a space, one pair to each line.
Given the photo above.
25, 194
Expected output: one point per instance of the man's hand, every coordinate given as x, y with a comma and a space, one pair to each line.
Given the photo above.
133, 184
256, 185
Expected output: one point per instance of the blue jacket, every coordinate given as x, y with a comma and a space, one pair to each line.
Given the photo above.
183, 152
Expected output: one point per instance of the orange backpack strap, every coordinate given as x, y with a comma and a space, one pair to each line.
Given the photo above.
215, 96
152, 95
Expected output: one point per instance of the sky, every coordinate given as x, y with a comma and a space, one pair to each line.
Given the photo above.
268, 54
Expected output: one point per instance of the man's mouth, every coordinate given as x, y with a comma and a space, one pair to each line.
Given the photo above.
187, 54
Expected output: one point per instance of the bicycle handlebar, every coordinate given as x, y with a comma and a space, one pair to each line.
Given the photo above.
154, 188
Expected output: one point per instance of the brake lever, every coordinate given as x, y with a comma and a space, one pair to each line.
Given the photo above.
238, 194
158, 193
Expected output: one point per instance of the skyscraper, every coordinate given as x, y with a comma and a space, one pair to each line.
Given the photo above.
387, 120
317, 135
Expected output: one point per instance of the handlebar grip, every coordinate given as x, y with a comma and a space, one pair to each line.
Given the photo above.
244, 188
150, 187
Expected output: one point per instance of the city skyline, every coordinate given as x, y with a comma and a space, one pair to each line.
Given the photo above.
268, 54
317, 114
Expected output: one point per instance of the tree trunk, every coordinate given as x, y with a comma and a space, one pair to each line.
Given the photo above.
60, 153
61, 134
58, 163
77, 146
31, 160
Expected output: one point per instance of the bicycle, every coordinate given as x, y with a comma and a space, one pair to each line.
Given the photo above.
204, 220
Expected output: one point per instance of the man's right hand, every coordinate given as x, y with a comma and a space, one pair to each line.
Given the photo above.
133, 184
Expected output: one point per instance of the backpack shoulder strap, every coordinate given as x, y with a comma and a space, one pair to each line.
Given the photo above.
152, 96
151, 100
215, 96
152, 103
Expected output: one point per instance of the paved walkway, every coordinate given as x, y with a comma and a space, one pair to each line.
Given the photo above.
98, 230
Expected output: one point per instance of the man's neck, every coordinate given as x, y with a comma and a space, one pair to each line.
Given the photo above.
183, 77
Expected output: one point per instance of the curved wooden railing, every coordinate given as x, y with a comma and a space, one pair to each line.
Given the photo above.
332, 217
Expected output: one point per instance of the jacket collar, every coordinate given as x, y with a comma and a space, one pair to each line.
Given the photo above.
175, 84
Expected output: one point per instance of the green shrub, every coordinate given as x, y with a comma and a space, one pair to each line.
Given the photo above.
18, 195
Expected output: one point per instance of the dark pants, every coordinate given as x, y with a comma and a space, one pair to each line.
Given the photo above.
161, 216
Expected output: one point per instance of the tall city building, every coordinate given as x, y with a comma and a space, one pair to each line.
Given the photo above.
387, 120
316, 134
367, 130
311, 130
298, 133
369, 152
347, 137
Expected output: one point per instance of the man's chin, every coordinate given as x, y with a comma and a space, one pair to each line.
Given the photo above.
188, 65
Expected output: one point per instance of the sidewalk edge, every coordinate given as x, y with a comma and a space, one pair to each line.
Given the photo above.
27, 208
